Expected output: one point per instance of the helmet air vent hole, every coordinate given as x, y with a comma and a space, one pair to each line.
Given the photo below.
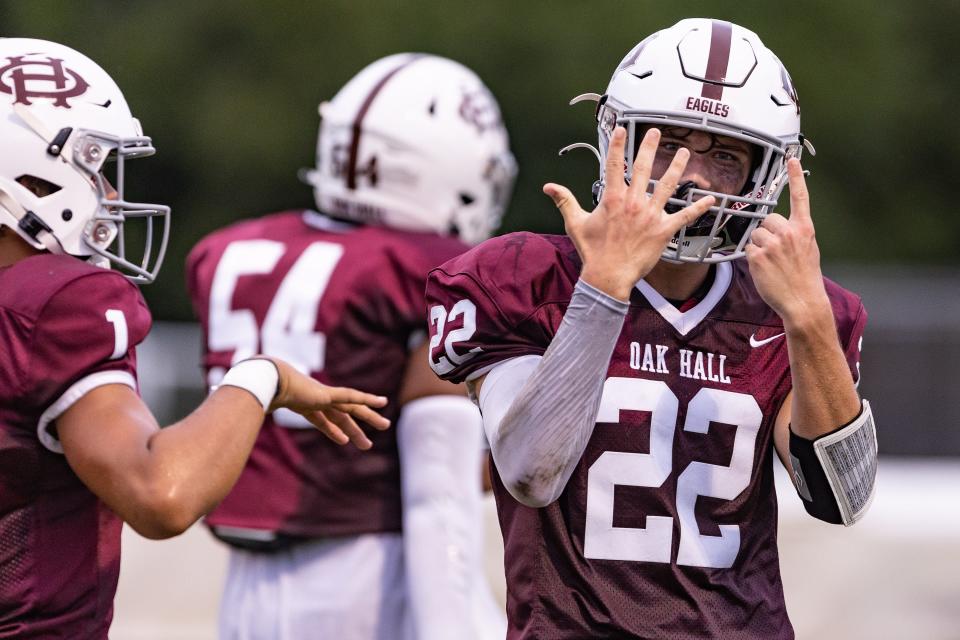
466, 198
38, 186
432, 109
67, 215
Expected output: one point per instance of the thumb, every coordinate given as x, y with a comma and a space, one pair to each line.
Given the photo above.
565, 201
690, 214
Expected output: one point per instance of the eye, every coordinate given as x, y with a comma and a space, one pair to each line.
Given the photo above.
668, 149
728, 157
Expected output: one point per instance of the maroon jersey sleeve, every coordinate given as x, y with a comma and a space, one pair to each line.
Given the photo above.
851, 319
395, 299
501, 300
89, 326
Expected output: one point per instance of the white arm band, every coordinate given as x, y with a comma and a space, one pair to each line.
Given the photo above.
440, 468
259, 376
539, 413
836, 473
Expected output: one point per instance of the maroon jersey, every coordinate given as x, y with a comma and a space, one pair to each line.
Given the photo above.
668, 526
65, 328
342, 303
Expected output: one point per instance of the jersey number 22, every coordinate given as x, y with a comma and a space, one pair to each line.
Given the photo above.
654, 543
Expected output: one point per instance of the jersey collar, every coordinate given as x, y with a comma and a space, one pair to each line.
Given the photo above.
685, 321
326, 223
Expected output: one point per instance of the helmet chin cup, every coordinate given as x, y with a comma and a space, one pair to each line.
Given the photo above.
689, 248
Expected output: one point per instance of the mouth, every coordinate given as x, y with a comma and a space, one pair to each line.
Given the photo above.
680, 194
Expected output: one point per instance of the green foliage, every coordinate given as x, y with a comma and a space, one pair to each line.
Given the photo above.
229, 93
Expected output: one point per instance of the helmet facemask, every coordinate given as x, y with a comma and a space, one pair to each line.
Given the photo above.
103, 157
720, 234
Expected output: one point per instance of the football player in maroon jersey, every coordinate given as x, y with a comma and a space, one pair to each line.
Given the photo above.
79, 450
636, 378
413, 162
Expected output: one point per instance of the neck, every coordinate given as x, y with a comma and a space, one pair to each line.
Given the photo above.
677, 281
13, 248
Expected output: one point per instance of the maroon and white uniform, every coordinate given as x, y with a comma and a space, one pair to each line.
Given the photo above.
343, 303
668, 526
66, 327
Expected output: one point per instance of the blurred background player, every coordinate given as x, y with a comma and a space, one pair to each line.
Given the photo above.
413, 162
79, 451
635, 379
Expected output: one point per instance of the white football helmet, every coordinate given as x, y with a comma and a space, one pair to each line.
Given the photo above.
415, 142
716, 77
63, 124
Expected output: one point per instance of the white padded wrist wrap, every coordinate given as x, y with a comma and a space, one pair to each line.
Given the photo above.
258, 376
849, 460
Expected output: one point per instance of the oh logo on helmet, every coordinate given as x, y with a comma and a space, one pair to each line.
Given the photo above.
40, 78
479, 109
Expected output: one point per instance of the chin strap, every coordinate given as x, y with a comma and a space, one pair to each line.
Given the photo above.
32, 121
28, 225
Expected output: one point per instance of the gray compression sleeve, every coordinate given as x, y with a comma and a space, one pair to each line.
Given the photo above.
551, 417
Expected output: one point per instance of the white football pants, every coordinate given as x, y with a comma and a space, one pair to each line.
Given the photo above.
331, 589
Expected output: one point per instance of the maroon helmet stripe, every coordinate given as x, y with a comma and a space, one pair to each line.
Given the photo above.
358, 122
720, 38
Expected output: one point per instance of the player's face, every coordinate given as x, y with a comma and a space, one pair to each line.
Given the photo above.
109, 191
717, 163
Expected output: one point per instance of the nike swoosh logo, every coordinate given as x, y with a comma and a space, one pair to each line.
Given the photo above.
759, 343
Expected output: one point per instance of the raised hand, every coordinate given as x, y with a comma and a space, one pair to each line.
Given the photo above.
330, 409
622, 239
784, 258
